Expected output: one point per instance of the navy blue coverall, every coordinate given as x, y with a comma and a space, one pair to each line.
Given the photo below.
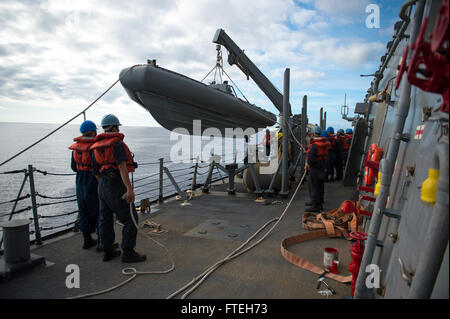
87, 199
339, 153
110, 192
316, 176
331, 161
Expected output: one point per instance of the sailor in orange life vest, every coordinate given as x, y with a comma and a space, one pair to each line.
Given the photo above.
348, 142
316, 158
339, 164
86, 183
331, 161
113, 161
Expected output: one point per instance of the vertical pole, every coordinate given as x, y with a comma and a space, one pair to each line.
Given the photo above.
324, 120
303, 130
205, 188
161, 177
258, 190
231, 173
321, 118
194, 178
33, 202
304, 120
284, 123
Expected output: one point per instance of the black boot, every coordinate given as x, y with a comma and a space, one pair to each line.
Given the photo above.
315, 208
88, 241
131, 256
111, 253
100, 249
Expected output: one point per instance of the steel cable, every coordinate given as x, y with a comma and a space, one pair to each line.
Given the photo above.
61, 126
52, 216
54, 197
16, 200
55, 203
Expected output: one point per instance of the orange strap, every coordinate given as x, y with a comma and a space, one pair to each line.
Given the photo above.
332, 224
305, 264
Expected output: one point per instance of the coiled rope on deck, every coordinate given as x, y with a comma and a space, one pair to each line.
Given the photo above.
202, 277
130, 271
133, 272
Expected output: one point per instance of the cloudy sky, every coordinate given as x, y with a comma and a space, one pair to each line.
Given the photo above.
57, 56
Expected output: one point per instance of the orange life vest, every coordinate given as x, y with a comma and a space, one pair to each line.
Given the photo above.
332, 139
104, 151
342, 139
323, 145
81, 154
348, 141
374, 155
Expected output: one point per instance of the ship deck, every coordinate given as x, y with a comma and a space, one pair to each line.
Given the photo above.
197, 236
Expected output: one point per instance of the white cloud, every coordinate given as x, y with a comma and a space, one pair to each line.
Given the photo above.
301, 75
61, 54
352, 55
343, 11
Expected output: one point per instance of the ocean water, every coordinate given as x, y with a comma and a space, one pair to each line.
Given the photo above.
53, 156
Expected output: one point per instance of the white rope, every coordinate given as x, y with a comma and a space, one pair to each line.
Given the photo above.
202, 277
130, 271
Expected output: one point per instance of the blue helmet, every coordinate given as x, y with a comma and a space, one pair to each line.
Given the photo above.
110, 120
340, 131
87, 126
316, 130
330, 130
349, 131
324, 134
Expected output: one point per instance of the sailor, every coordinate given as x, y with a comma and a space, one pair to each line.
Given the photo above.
339, 163
316, 158
246, 149
113, 161
86, 183
348, 142
266, 142
331, 156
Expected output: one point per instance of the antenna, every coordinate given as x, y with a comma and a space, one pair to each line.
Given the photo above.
344, 108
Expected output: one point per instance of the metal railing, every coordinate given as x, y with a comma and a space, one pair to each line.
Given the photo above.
155, 188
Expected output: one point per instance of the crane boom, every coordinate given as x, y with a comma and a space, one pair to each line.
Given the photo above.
238, 57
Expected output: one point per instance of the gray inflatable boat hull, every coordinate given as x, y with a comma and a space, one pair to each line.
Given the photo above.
175, 100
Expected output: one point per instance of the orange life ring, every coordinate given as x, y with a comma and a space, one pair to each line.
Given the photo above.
374, 155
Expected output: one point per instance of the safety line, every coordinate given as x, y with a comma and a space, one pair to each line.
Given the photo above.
61, 126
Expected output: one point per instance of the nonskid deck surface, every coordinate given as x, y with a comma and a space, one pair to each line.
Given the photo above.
197, 236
